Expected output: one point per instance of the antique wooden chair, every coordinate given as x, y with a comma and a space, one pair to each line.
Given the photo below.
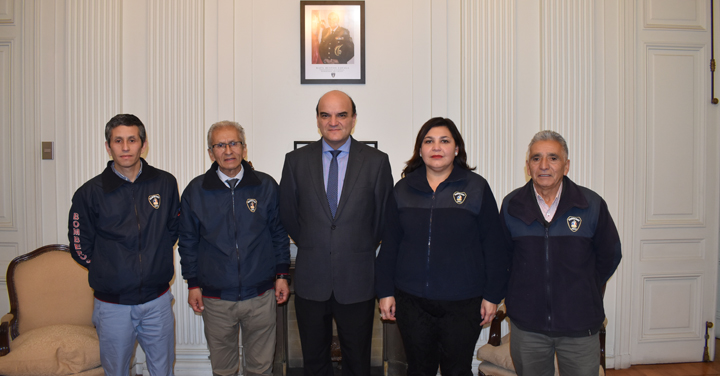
49, 329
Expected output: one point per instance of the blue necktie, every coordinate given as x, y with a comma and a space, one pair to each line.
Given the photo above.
232, 183
332, 187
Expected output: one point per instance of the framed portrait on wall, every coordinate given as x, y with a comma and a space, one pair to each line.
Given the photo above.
332, 42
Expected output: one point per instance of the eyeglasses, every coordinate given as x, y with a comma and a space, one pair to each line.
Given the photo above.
232, 144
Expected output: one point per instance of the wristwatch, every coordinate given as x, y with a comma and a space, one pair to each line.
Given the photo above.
284, 276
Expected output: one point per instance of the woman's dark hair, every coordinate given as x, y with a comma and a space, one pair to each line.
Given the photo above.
416, 161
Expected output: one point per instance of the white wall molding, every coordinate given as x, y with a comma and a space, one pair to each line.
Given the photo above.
663, 208
176, 132
686, 14
7, 11
607, 163
487, 92
8, 220
488, 71
175, 89
567, 28
25, 159
627, 22
93, 80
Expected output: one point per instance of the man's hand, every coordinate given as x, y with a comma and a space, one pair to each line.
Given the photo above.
387, 308
487, 311
195, 300
282, 291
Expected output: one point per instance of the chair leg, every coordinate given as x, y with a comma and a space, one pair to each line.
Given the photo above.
602, 347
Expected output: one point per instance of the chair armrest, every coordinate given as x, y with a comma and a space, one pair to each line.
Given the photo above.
5, 334
495, 328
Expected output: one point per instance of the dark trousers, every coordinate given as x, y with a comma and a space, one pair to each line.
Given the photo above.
354, 326
438, 333
534, 354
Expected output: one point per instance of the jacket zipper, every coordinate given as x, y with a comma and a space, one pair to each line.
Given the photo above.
137, 219
427, 266
237, 248
548, 289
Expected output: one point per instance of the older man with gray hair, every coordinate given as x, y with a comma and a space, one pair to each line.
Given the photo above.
234, 252
564, 247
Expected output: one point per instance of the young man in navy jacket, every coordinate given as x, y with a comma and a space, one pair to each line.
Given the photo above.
123, 226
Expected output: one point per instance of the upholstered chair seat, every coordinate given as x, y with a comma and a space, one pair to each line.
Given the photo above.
49, 329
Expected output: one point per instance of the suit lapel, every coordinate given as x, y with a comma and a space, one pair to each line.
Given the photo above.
355, 161
316, 175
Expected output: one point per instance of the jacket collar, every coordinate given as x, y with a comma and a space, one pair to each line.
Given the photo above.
111, 182
211, 180
524, 204
418, 178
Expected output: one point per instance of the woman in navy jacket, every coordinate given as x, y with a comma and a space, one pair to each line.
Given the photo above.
442, 267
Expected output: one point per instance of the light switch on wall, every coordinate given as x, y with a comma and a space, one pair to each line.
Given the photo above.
47, 150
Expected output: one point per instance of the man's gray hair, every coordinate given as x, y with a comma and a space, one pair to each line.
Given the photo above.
225, 123
548, 135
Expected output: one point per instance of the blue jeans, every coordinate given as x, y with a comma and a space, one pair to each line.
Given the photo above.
152, 324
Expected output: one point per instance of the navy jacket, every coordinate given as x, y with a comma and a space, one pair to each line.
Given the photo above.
124, 234
231, 241
443, 245
559, 268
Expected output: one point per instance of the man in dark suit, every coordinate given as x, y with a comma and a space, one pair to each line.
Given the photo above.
332, 199
336, 45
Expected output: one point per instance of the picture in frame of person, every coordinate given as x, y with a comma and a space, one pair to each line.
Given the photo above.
332, 42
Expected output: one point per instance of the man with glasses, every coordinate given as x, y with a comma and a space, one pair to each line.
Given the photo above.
234, 251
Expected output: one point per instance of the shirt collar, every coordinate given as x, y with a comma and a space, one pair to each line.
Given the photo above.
557, 196
344, 148
224, 177
123, 177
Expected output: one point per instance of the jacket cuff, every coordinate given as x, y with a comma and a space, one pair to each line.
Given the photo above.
384, 292
280, 269
192, 283
493, 298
